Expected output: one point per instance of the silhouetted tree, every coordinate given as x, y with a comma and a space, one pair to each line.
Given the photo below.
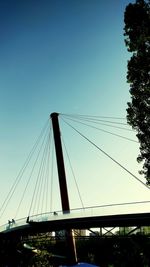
137, 40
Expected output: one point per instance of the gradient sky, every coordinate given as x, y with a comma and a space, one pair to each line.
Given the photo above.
66, 56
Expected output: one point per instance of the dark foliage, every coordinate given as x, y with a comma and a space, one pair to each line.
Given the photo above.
104, 251
137, 40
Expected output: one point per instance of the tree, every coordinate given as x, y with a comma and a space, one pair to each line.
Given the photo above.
137, 40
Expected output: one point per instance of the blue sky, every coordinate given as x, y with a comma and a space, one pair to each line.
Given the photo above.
66, 56
61, 55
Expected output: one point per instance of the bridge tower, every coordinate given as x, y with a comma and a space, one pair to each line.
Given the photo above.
72, 257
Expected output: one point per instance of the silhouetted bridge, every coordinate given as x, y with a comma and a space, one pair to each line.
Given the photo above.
82, 218
67, 219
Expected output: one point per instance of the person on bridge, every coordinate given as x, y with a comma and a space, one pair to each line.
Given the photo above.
27, 221
13, 221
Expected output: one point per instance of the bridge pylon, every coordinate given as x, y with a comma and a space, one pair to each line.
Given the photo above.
72, 257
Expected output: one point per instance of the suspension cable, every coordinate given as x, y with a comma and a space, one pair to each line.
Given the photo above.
21, 172
94, 117
73, 173
44, 174
134, 176
47, 172
30, 175
101, 123
91, 126
38, 181
52, 178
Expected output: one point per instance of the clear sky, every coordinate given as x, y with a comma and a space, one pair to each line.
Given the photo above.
66, 56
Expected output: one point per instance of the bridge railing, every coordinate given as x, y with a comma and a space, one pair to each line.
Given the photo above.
12, 224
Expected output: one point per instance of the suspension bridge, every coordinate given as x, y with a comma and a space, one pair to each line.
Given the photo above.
41, 215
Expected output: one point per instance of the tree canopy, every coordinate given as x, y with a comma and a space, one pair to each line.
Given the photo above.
137, 40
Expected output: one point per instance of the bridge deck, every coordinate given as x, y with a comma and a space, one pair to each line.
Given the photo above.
69, 221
